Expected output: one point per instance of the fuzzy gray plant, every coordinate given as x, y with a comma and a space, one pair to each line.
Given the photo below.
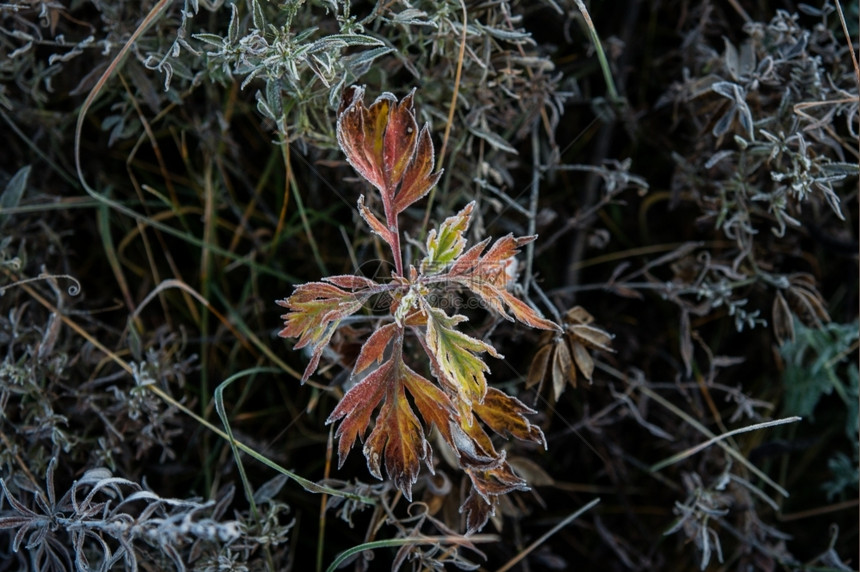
103, 520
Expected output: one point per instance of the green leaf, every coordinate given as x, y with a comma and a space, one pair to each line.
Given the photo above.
811, 366
456, 355
11, 196
446, 244
257, 14
340, 41
212, 39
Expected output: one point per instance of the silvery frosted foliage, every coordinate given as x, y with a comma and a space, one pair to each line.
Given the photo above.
775, 124
103, 521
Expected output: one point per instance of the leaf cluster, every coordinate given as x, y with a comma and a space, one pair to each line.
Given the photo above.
384, 144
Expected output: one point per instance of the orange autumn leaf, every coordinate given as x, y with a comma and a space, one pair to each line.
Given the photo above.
506, 416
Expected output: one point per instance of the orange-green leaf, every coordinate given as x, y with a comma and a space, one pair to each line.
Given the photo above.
315, 310
506, 415
456, 356
397, 438
448, 243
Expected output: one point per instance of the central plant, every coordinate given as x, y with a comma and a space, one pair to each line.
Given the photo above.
383, 143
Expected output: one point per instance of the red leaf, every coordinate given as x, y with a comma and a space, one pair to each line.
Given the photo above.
360, 132
351, 281
400, 136
465, 264
383, 144
356, 407
418, 179
374, 223
374, 348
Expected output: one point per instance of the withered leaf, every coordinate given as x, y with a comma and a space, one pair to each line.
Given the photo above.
477, 511
498, 479
807, 306
537, 369
562, 369
592, 337
562, 356
685, 333
578, 315
583, 360
783, 323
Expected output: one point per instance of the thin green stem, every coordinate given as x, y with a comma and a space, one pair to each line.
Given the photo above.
343, 556
601, 55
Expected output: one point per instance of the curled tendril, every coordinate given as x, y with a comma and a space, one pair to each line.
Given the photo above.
73, 290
